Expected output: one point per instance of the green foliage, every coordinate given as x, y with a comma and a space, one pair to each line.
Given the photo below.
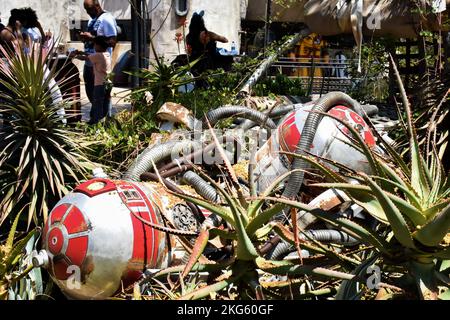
280, 85
10, 254
411, 198
162, 81
39, 156
248, 223
118, 139
373, 83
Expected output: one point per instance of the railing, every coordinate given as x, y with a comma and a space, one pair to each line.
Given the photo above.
317, 75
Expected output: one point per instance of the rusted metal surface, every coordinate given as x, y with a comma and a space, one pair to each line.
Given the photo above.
176, 113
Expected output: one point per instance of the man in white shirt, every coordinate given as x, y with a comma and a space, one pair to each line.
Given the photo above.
102, 24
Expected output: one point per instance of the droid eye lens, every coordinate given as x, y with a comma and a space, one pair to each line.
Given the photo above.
54, 241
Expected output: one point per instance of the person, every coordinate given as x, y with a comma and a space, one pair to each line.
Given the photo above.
15, 36
339, 71
23, 29
101, 63
101, 24
12, 34
2, 26
201, 44
327, 71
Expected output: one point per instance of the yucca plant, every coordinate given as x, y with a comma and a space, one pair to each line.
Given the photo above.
39, 156
410, 197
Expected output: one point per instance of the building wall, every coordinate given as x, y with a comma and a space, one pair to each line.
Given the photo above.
59, 16
221, 16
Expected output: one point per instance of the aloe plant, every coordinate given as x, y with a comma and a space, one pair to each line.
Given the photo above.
411, 198
39, 156
249, 222
10, 254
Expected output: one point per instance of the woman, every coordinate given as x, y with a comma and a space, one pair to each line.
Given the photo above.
201, 43
12, 35
16, 33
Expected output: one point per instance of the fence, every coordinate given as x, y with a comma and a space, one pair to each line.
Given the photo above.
317, 75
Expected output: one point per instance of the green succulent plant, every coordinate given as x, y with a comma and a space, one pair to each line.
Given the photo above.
411, 198
11, 253
249, 222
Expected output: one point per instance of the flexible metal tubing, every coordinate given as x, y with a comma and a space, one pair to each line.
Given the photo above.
155, 154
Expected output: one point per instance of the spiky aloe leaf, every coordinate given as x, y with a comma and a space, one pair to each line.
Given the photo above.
433, 210
229, 168
407, 192
284, 267
362, 195
206, 291
12, 232
284, 233
18, 248
423, 273
224, 234
230, 201
445, 295
245, 250
396, 220
295, 229
263, 218
350, 227
435, 230
313, 161
438, 175
419, 179
256, 204
197, 251
390, 150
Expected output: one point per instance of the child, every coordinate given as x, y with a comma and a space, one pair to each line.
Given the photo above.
101, 61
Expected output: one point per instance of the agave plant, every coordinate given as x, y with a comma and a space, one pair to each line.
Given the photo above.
411, 198
39, 156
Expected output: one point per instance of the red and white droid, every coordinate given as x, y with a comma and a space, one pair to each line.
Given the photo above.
95, 244
329, 142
